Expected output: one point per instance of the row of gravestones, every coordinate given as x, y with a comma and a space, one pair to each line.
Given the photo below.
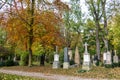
66, 65
86, 59
107, 58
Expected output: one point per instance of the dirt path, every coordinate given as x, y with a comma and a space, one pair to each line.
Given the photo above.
42, 75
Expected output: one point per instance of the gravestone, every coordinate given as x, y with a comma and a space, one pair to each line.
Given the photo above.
104, 57
115, 58
66, 60
108, 58
77, 56
70, 54
56, 63
93, 60
86, 59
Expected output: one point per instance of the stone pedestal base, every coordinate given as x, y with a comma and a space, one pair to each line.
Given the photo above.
94, 62
56, 64
65, 65
108, 62
86, 66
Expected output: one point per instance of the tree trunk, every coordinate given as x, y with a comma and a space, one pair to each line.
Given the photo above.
31, 31
97, 40
42, 60
105, 25
30, 57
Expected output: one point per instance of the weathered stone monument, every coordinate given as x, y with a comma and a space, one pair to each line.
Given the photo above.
66, 60
108, 58
56, 63
104, 57
115, 58
86, 59
70, 54
77, 56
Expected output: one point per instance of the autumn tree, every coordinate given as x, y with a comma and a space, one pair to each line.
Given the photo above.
50, 35
27, 23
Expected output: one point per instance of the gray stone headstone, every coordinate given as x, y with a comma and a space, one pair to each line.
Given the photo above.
56, 63
86, 59
66, 60
66, 55
115, 58
108, 58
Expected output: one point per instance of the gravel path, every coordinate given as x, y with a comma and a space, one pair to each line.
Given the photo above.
42, 75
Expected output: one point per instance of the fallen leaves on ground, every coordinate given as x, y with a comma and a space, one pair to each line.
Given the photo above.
95, 72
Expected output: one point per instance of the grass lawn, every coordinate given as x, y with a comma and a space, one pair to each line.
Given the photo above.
15, 77
96, 72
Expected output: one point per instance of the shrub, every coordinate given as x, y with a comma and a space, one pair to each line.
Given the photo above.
23, 59
9, 63
81, 71
16, 63
115, 64
2, 64
97, 63
118, 64
109, 66
22, 63
72, 62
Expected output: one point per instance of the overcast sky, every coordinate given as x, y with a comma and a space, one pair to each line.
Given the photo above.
82, 3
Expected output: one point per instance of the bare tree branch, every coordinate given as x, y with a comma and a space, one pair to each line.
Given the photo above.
2, 3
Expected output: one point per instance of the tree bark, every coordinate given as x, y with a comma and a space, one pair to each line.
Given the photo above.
105, 25
31, 32
42, 60
97, 39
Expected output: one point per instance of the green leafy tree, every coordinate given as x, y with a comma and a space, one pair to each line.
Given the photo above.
114, 32
74, 24
95, 10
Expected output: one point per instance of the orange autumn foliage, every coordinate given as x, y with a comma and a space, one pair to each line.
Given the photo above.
45, 29
26, 23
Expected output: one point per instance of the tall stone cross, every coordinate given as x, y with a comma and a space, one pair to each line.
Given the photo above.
86, 51
115, 53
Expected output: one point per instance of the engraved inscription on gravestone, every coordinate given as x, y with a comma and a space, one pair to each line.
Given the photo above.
86, 58
108, 58
104, 57
56, 57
